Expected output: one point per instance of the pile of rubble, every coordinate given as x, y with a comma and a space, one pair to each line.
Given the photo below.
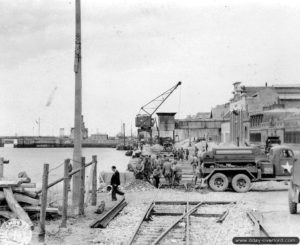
138, 185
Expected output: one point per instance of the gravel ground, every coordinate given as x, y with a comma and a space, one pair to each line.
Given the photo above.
272, 203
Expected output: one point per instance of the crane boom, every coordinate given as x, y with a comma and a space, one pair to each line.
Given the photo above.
151, 107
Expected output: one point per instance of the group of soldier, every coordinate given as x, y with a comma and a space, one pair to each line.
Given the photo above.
155, 167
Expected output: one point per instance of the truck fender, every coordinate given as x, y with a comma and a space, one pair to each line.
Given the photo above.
294, 193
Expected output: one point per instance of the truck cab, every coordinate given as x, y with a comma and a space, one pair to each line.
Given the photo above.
239, 166
282, 158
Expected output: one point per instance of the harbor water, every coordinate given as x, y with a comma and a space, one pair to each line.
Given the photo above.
31, 160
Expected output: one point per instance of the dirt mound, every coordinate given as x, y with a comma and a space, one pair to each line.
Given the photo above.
139, 185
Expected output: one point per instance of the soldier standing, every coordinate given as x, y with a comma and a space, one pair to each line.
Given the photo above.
167, 171
147, 168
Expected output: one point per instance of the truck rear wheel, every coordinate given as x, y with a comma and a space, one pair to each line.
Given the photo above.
292, 205
218, 182
241, 183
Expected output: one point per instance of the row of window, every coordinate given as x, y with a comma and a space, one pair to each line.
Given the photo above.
289, 137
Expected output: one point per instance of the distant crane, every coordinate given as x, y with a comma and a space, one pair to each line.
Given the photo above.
144, 120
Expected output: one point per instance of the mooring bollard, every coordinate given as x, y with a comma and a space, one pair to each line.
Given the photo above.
65, 194
94, 182
82, 187
43, 203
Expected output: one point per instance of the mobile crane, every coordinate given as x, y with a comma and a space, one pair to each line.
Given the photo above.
144, 121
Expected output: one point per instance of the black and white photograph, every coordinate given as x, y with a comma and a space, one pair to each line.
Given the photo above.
149, 122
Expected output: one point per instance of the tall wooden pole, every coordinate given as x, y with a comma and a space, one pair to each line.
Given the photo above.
78, 109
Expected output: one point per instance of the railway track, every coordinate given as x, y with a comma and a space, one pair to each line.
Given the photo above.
178, 222
259, 227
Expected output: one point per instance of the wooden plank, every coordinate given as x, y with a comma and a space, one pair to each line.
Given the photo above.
26, 199
21, 190
28, 185
8, 214
9, 183
35, 209
15, 206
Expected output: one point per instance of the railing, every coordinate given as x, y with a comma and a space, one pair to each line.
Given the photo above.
66, 178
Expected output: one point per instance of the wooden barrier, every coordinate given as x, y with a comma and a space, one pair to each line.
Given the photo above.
62, 178
43, 203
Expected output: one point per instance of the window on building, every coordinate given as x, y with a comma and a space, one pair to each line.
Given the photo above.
255, 137
292, 137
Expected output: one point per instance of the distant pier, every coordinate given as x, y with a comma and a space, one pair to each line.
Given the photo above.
52, 142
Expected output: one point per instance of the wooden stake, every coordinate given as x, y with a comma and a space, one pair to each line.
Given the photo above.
82, 184
65, 194
43, 203
1, 167
94, 183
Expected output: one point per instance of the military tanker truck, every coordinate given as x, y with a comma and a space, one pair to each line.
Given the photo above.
238, 167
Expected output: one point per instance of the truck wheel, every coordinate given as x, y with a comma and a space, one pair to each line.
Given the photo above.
292, 205
241, 183
218, 182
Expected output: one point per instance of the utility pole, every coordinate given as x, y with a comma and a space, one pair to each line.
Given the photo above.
77, 154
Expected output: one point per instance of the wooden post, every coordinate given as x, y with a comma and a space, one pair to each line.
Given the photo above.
77, 154
65, 194
82, 189
1, 167
94, 183
43, 203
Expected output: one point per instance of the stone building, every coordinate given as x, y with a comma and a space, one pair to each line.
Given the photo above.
248, 111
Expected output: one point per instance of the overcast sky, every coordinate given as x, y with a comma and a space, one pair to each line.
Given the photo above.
133, 51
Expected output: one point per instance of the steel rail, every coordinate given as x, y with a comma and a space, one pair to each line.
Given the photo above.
175, 223
149, 207
187, 229
259, 228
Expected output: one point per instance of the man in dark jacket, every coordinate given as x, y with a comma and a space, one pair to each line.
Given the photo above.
115, 182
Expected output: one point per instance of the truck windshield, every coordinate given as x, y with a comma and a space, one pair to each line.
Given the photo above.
286, 153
